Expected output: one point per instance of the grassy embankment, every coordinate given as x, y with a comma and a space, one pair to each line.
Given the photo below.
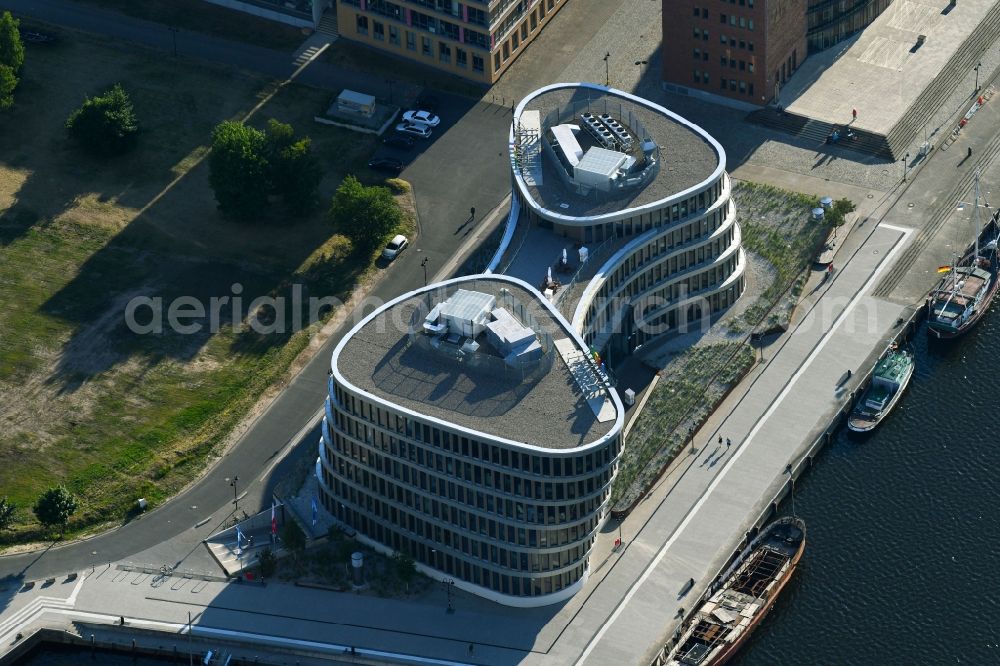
776, 227
83, 401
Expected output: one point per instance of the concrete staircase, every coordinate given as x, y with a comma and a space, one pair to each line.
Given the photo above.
898, 140
937, 92
328, 24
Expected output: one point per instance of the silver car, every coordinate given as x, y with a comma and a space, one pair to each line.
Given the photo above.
423, 131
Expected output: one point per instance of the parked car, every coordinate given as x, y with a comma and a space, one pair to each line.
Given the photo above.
423, 131
400, 141
395, 246
421, 118
389, 164
429, 102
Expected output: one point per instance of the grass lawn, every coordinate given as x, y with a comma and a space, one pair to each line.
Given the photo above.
776, 227
201, 16
84, 401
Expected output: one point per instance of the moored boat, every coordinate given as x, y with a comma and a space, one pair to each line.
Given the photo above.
747, 591
965, 293
890, 378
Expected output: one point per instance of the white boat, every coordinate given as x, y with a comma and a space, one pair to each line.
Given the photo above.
890, 378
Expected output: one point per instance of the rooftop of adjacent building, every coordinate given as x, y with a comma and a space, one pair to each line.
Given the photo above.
562, 404
881, 73
687, 158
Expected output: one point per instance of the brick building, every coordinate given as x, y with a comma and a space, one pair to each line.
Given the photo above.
474, 39
747, 49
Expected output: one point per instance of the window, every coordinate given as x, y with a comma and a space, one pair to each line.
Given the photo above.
534, 21
732, 84
732, 20
524, 31
552, 4
461, 58
704, 12
704, 35
704, 56
425, 46
697, 33
411, 42
378, 31
362, 25
750, 24
743, 87
750, 44
506, 51
722, 18
722, 83
496, 60
704, 77
697, 54
723, 60
444, 52
697, 76
477, 63
743, 65
750, 66
750, 92
722, 39
697, 12
514, 41
743, 22
394, 35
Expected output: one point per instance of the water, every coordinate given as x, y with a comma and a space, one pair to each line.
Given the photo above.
55, 654
902, 564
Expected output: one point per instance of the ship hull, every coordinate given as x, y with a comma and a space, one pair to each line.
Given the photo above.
860, 425
940, 333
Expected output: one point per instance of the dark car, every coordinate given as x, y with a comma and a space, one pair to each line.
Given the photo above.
399, 141
428, 102
388, 164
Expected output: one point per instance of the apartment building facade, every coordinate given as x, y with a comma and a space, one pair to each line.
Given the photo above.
477, 40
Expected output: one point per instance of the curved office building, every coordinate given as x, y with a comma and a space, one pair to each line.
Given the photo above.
468, 426
645, 193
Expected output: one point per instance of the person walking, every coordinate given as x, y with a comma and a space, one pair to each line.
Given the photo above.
729, 443
720, 440
970, 152
854, 113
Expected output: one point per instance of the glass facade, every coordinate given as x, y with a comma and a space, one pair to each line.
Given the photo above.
517, 522
831, 21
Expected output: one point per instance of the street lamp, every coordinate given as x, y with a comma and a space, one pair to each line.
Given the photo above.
978, 65
607, 72
236, 500
905, 159
173, 35
448, 584
640, 63
423, 264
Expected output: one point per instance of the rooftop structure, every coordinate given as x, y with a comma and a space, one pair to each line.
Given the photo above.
606, 151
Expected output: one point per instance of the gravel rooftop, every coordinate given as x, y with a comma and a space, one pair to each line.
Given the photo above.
548, 411
687, 159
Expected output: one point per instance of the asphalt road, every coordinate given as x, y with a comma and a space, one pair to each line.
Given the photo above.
460, 167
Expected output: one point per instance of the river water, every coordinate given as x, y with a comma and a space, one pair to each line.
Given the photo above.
902, 564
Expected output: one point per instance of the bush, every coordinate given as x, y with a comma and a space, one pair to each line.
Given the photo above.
106, 124
11, 48
7, 509
8, 82
366, 215
238, 169
268, 562
55, 507
247, 165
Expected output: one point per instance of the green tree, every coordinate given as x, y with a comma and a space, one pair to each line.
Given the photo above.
268, 562
366, 215
8, 82
105, 124
7, 509
294, 170
54, 507
238, 169
405, 567
11, 48
293, 539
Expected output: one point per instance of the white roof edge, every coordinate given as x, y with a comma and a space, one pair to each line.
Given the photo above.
571, 332
590, 219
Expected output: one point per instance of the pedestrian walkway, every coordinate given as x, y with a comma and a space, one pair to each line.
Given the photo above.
312, 48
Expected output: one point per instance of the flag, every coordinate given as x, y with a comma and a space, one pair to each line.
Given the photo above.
314, 511
274, 520
239, 536
943, 269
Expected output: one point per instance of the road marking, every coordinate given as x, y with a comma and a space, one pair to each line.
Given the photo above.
904, 230
862, 293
